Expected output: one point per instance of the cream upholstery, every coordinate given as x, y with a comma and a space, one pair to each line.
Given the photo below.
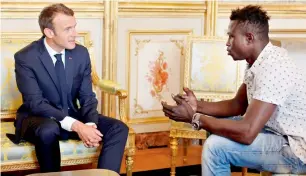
25, 152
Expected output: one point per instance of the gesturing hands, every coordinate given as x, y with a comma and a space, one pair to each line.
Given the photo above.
89, 134
182, 112
190, 98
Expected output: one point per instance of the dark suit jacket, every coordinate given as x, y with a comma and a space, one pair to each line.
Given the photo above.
38, 84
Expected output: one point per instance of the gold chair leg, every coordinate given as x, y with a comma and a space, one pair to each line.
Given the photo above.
94, 163
185, 145
244, 171
174, 148
129, 161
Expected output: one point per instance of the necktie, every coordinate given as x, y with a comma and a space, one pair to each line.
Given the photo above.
61, 76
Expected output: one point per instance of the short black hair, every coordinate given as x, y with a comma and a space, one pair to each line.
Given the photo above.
254, 19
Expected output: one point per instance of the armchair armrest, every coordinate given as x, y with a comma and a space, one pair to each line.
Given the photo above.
114, 88
111, 87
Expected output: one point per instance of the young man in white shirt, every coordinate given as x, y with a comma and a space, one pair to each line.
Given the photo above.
271, 136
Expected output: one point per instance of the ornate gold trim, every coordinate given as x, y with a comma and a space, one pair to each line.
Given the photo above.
162, 9
287, 31
278, 10
187, 69
211, 18
160, 14
130, 152
190, 134
138, 108
34, 164
106, 55
180, 45
148, 120
113, 52
149, 7
174, 150
32, 9
34, 35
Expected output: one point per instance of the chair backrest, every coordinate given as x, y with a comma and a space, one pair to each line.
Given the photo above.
11, 98
209, 71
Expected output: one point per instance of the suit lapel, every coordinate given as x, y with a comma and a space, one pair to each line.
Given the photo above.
48, 64
69, 65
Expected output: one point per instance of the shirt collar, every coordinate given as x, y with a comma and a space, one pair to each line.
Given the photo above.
50, 50
262, 56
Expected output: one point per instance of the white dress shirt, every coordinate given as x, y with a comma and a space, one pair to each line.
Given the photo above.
274, 78
67, 122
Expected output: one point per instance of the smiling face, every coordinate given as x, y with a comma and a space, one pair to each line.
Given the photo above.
237, 43
63, 34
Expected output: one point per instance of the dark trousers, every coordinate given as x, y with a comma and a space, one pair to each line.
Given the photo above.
45, 134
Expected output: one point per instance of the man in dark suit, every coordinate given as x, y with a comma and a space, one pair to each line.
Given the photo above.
52, 74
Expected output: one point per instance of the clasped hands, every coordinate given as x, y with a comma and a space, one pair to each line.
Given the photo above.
185, 108
89, 134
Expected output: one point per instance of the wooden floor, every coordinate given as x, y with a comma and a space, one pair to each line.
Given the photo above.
156, 162
160, 158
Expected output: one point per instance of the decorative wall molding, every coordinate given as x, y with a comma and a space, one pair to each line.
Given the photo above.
211, 18
113, 52
287, 31
32, 9
152, 43
276, 10
151, 8
294, 35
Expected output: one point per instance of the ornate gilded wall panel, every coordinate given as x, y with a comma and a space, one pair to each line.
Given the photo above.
154, 72
146, 27
157, 16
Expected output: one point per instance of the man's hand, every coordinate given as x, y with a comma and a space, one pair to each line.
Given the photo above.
182, 112
190, 98
89, 134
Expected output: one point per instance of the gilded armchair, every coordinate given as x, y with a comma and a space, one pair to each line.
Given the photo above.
212, 75
22, 156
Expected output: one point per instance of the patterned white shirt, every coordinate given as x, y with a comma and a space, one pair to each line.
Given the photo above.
274, 78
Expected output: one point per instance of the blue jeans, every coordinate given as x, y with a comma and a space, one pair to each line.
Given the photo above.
268, 152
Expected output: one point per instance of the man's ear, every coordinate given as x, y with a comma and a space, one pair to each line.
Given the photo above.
49, 33
249, 38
